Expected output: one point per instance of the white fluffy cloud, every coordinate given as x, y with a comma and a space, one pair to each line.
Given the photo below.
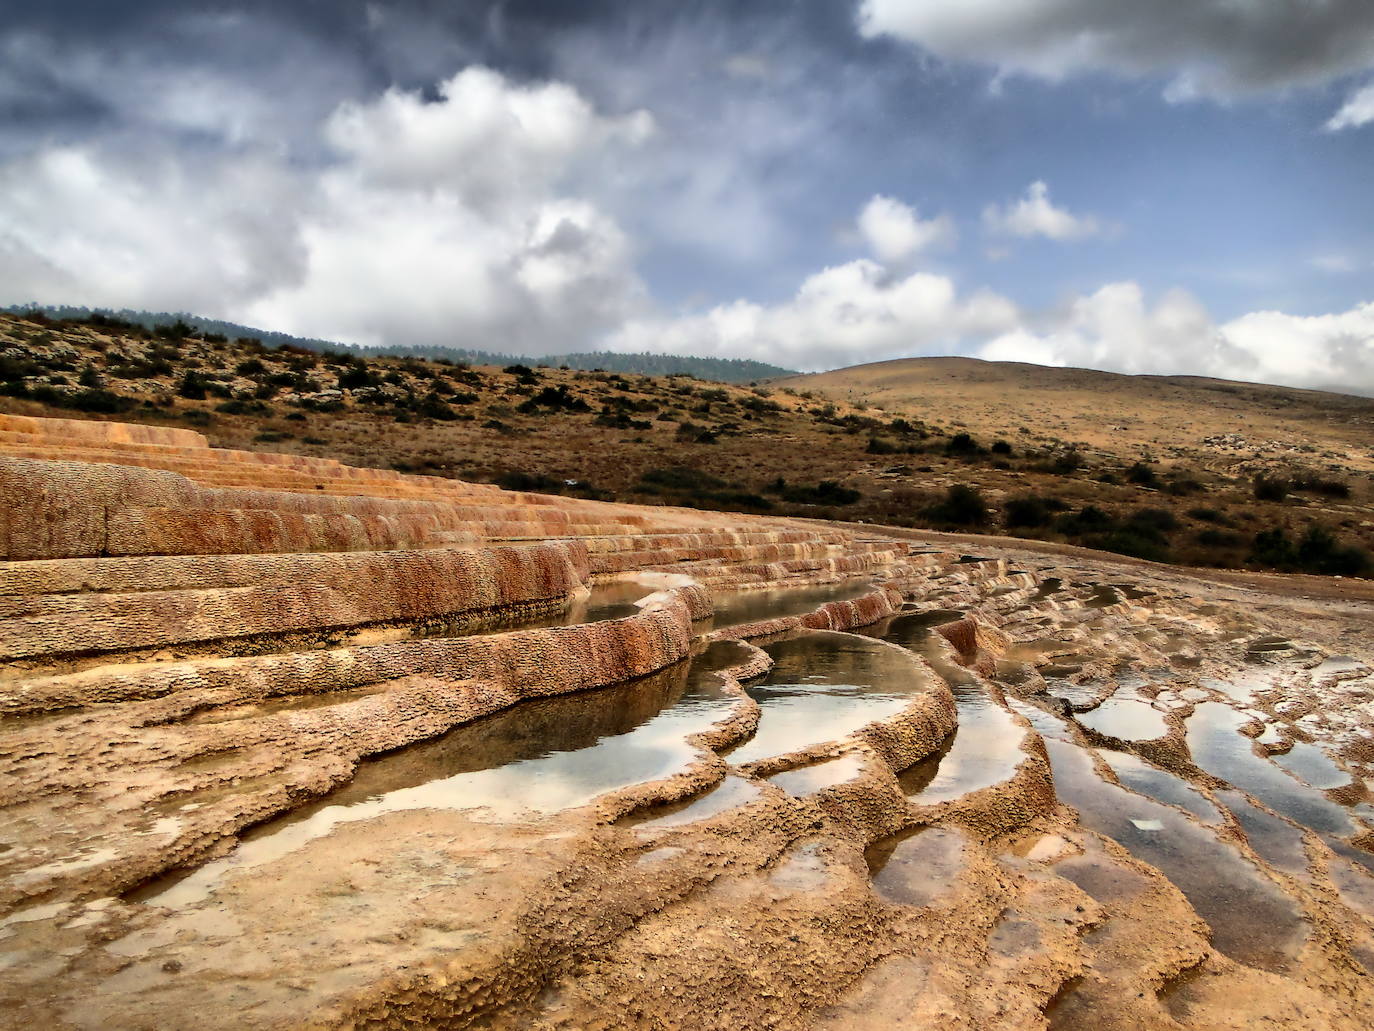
894, 232
1358, 110
448, 221
1035, 215
1203, 47
843, 315
1115, 329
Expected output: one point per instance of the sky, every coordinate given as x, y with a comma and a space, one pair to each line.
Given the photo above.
1181, 186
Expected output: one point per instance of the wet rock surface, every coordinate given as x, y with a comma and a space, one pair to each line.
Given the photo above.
301, 745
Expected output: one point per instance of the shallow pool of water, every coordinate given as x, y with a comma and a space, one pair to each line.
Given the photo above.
1251, 920
1276, 841
1126, 720
807, 780
824, 685
1142, 778
735, 608
1218, 747
916, 867
985, 747
538, 757
1313, 765
731, 793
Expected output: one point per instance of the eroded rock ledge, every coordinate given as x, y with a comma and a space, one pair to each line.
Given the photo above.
302, 745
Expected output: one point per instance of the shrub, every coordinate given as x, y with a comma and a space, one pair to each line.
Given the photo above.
962, 505
1211, 538
177, 330
432, 406
1142, 475
241, 407
1207, 515
554, 399
1000, 447
1027, 510
250, 367
1157, 519
193, 385
1320, 552
827, 492
962, 444
1317, 485
533, 482
1268, 488
1180, 485
356, 376
1088, 519
679, 477
96, 399
1134, 542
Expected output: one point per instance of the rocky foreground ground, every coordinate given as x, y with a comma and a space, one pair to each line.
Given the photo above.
288, 743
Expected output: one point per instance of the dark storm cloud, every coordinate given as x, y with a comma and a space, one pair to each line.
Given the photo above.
788, 179
1205, 46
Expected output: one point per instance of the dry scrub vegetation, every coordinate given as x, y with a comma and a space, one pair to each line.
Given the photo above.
1174, 469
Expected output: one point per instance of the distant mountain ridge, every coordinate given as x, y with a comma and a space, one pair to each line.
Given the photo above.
724, 370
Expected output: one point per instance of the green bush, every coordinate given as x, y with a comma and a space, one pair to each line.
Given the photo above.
1269, 488
1142, 475
962, 505
679, 477
1028, 510
827, 492
1157, 519
193, 385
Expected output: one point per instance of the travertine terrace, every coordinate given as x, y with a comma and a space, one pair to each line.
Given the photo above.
288, 743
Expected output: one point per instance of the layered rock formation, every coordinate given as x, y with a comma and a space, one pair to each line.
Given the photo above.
285, 743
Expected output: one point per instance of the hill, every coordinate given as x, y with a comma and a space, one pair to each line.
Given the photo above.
725, 370
1191, 471
1156, 414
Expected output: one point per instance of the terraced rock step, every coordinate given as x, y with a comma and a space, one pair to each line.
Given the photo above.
294, 744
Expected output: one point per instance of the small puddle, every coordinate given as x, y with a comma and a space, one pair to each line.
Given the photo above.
1240, 686
1313, 766
730, 793
1336, 664
807, 780
1102, 877
804, 869
1126, 720
916, 867
614, 600
1252, 921
823, 686
1142, 778
1218, 747
539, 757
985, 747
736, 608
1355, 885
1276, 841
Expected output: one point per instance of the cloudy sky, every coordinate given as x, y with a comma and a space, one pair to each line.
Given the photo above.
1174, 186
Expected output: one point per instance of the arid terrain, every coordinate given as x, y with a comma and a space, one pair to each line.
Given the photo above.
290, 743
1161, 468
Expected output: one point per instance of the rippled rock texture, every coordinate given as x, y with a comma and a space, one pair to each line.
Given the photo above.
286, 743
